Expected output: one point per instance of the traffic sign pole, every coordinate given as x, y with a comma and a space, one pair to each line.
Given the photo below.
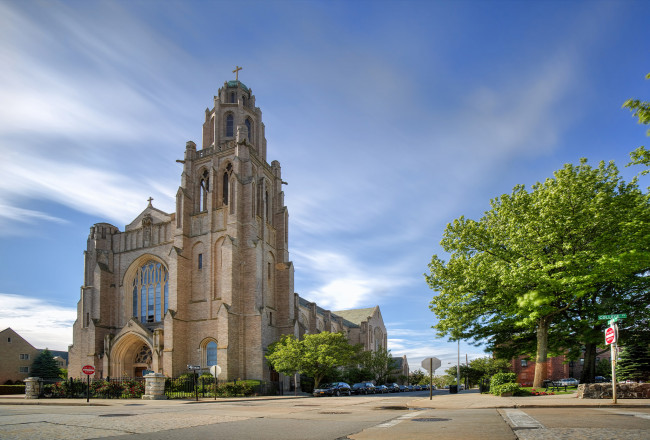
613, 355
431, 378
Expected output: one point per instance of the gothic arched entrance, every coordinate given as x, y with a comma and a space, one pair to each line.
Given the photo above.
131, 356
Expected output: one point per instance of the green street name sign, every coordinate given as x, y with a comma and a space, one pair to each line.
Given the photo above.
620, 316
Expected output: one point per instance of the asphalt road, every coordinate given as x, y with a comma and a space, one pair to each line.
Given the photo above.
329, 418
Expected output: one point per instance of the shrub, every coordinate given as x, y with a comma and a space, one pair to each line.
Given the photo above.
503, 378
12, 389
509, 387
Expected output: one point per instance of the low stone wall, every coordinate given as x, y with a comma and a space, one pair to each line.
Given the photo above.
623, 391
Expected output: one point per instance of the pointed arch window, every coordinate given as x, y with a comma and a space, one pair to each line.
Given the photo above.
150, 292
230, 124
250, 129
204, 188
226, 179
211, 353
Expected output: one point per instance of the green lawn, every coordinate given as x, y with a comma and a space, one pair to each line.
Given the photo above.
569, 390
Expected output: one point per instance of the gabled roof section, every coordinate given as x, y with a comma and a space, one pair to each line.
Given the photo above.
9, 332
356, 316
157, 216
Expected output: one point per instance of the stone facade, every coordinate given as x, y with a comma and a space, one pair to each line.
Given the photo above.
210, 283
16, 356
623, 391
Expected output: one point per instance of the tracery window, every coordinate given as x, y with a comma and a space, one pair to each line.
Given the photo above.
150, 292
230, 123
143, 356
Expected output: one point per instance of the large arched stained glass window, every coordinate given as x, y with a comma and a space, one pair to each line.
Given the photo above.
150, 292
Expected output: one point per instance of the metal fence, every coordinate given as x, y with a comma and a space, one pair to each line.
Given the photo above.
108, 388
189, 386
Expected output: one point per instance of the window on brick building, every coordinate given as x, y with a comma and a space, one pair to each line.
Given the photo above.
211, 353
24, 357
524, 363
24, 369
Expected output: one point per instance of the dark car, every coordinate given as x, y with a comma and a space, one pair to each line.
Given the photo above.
381, 389
363, 388
403, 388
392, 387
333, 389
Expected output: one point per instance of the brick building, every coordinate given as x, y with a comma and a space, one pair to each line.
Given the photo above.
558, 367
212, 282
17, 356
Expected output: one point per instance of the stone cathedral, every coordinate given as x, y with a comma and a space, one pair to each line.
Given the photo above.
212, 282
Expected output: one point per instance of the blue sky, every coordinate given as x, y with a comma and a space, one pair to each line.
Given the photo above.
390, 119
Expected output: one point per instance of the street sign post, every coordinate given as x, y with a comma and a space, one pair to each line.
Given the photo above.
611, 337
88, 370
215, 370
431, 364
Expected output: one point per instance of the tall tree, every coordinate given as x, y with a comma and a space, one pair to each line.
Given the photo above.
44, 366
285, 356
316, 356
535, 254
379, 363
641, 110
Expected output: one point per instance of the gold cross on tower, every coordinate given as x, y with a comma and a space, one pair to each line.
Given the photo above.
236, 72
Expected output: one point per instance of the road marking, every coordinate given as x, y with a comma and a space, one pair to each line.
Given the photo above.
517, 419
399, 419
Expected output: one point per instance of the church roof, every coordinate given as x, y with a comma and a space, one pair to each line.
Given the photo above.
235, 83
356, 315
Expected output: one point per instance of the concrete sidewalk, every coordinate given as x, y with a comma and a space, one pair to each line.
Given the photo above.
472, 399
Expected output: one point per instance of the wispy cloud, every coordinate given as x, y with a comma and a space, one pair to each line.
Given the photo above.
42, 323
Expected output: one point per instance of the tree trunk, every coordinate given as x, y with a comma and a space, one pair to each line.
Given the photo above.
542, 351
588, 374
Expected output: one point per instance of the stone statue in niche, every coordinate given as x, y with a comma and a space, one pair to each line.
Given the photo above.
147, 223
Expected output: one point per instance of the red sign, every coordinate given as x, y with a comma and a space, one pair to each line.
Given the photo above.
610, 335
88, 369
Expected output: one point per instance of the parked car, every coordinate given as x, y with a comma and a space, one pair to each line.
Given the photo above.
393, 387
333, 389
417, 387
600, 379
363, 388
403, 388
381, 389
569, 382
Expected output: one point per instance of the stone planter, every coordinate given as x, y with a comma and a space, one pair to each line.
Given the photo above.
154, 387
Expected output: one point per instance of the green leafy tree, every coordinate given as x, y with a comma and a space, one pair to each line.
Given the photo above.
417, 377
285, 356
520, 268
316, 356
378, 363
44, 366
634, 363
641, 110
324, 352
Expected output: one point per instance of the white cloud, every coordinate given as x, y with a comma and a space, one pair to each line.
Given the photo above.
41, 323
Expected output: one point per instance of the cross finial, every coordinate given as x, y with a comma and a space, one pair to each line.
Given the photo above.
150, 199
236, 72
